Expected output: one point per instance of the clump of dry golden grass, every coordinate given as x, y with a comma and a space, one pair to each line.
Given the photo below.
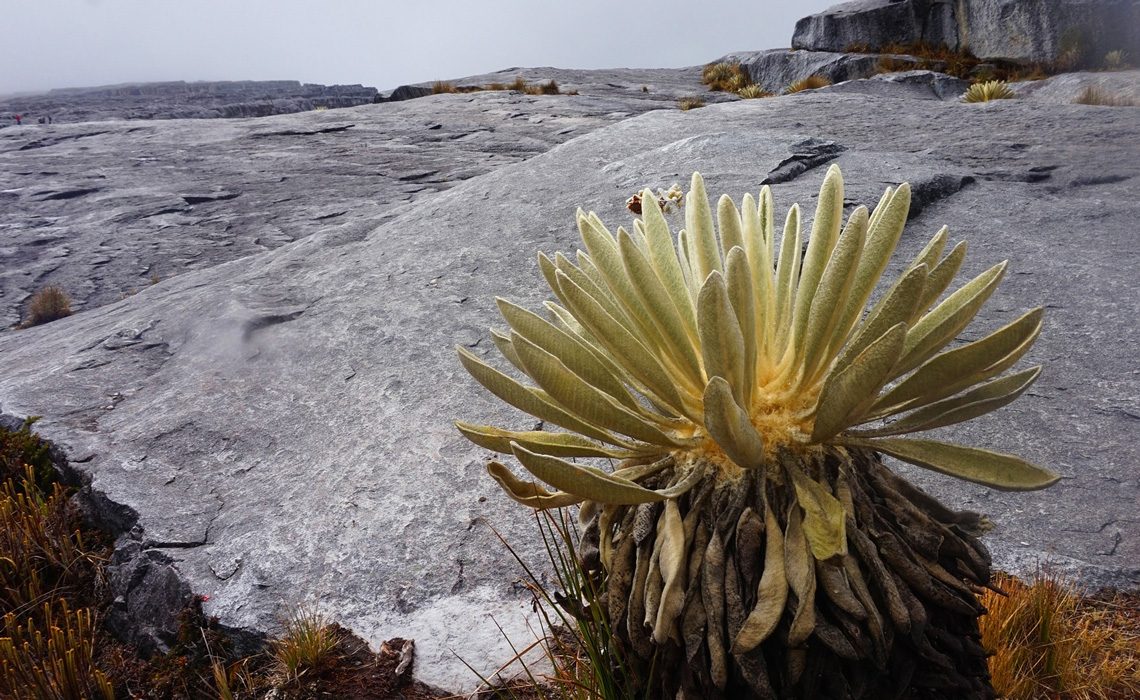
441, 87
49, 304
1096, 95
687, 103
726, 77
752, 92
308, 644
1047, 641
812, 82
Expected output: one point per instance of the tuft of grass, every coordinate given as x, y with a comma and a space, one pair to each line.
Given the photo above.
1116, 60
49, 304
308, 645
51, 658
495, 86
893, 64
988, 90
549, 88
726, 77
752, 92
687, 103
1046, 640
587, 660
518, 84
1096, 95
812, 82
441, 87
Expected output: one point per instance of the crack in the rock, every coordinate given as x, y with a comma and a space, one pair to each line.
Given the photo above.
806, 155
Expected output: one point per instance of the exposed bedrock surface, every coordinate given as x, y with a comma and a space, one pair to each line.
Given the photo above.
1076, 31
275, 429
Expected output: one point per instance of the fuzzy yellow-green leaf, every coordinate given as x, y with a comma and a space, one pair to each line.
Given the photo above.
571, 351
528, 401
834, 287
946, 320
589, 483
896, 306
722, 344
529, 493
704, 251
730, 426
847, 390
659, 242
583, 400
543, 441
950, 372
728, 224
940, 277
622, 345
661, 311
993, 469
787, 278
824, 234
977, 402
738, 281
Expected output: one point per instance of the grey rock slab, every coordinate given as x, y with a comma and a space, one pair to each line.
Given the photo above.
1080, 32
1067, 87
105, 209
276, 429
776, 69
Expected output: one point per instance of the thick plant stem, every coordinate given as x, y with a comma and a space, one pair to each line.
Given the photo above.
751, 613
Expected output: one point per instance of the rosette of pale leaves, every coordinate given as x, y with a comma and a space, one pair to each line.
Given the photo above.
747, 392
717, 352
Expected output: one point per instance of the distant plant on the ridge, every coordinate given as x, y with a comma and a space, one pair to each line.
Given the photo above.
687, 103
321, 108
812, 82
49, 304
988, 90
752, 92
441, 87
549, 88
726, 77
518, 84
1096, 95
1116, 60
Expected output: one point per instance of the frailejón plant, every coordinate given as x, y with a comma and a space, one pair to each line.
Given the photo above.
987, 91
750, 540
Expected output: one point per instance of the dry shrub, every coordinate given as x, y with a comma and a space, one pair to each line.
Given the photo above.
496, 86
441, 87
48, 304
687, 103
518, 84
549, 88
1096, 95
1049, 642
812, 82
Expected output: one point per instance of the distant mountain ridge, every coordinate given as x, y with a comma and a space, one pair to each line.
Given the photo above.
186, 100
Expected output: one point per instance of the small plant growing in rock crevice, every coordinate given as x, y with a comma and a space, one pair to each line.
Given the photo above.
686, 103
47, 305
752, 92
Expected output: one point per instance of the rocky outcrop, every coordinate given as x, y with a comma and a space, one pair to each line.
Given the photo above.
187, 100
776, 69
1070, 32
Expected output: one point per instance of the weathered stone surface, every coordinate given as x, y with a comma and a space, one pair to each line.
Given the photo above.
1067, 87
776, 69
182, 100
911, 84
277, 426
1018, 30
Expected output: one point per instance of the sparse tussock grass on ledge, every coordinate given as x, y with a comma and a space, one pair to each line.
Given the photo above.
49, 304
441, 87
752, 92
812, 82
687, 103
1096, 95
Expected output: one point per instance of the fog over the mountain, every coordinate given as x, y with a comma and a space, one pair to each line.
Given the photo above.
71, 43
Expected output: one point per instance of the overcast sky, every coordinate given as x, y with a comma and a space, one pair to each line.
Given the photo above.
71, 43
